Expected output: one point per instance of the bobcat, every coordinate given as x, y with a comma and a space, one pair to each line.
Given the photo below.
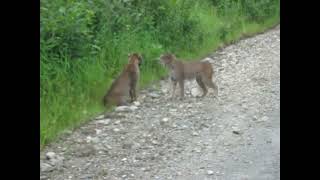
180, 71
125, 84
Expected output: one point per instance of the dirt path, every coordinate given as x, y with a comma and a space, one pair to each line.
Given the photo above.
235, 137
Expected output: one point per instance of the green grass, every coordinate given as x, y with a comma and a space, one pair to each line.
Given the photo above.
84, 50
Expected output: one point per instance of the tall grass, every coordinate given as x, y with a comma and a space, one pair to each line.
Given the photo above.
84, 45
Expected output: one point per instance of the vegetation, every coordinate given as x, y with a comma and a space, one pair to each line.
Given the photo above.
84, 45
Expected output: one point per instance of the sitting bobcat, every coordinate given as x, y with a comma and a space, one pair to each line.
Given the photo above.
125, 84
180, 71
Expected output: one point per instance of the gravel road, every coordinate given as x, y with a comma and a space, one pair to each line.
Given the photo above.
233, 137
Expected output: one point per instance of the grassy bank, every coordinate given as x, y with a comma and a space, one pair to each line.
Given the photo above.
84, 45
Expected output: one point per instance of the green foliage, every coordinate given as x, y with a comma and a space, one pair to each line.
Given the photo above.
84, 45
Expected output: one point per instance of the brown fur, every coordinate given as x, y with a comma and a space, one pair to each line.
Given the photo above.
180, 71
125, 84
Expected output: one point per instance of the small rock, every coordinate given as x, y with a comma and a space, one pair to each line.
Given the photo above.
136, 103
79, 141
263, 119
164, 90
195, 134
161, 153
207, 59
98, 131
203, 125
123, 109
154, 95
165, 120
90, 139
104, 121
100, 117
195, 92
133, 108
143, 169
86, 176
54, 161
108, 147
244, 106
43, 177
189, 106
117, 122
116, 130
50, 155
44, 167
124, 159
198, 150
173, 110
209, 172
236, 130
154, 142
269, 141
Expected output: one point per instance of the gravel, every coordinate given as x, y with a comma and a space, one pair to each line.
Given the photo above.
235, 136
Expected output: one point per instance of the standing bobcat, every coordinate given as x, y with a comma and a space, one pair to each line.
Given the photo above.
125, 84
180, 71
